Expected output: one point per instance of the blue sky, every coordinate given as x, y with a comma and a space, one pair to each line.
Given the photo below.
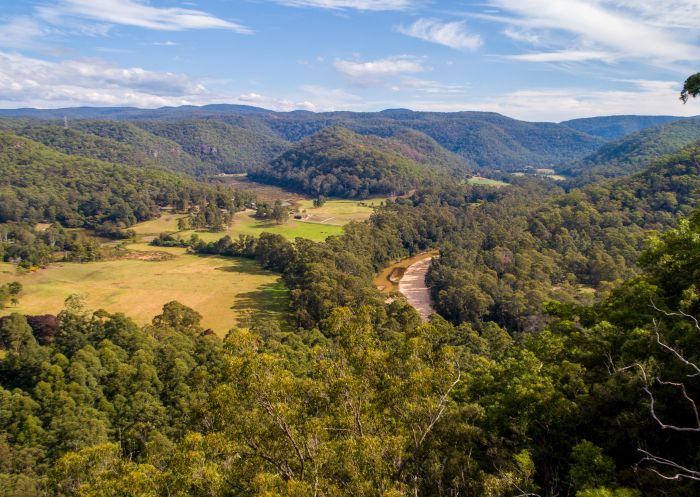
529, 59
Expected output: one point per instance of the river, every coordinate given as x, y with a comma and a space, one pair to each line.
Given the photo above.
412, 286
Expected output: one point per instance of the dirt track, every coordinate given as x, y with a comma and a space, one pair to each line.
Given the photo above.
412, 286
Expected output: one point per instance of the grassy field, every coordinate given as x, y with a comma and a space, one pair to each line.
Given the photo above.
486, 182
166, 222
225, 291
245, 223
338, 212
317, 223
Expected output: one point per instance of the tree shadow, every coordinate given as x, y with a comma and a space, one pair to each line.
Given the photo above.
269, 301
250, 268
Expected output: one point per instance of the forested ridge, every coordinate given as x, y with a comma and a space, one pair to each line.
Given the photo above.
247, 137
561, 361
115, 142
232, 149
337, 162
635, 151
615, 127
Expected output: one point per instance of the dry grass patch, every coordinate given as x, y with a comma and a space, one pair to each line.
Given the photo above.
225, 291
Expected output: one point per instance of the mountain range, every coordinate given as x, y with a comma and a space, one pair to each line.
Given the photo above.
213, 139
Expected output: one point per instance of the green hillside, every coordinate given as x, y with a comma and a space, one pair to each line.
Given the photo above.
337, 162
232, 149
634, 152
38, 184
162, 151
236, 139
616, 127
136, 149
486, 139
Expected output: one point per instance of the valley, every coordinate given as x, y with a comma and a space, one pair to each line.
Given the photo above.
337, 284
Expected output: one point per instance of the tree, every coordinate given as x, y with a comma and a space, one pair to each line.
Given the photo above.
691, 88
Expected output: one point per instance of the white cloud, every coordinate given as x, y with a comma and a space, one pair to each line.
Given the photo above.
642, 98
32, 82
603, 26
366, 5
522, 35
564, 56
137, 13
21, 32
429, 86
449, 34
273, 103
684, 14
370, 72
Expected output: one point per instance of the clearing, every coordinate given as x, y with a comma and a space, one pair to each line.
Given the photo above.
225, 291
338, 212
478, 180
316, 223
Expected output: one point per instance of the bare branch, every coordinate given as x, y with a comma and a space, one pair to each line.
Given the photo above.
678, 355
680, 471
443, 406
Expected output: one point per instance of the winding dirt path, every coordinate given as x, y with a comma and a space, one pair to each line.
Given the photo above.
412, 286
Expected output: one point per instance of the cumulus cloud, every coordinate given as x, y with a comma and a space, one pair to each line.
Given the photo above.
449, 34
371, 72
366, 5
137, 13
33, 82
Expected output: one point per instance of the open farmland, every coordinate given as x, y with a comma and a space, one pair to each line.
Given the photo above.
338, 212
225, 291
316, 223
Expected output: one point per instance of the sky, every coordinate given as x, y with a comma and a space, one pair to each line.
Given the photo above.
537, 60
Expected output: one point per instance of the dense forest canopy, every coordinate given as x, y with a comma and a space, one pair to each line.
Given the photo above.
561, 360
247, 137
337, 162
613, 128
635, 151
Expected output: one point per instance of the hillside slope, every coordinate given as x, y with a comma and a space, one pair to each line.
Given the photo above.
38, 184
338, 162
488, 140
616, 127
636, 151
235, 138
232, 149
119, 143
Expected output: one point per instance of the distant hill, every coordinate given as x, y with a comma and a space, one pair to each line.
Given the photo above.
488, 140
38, 184
636, 151
615, 127
231, 148
111, 141
338, 162
127, 113
422, 149
485, 140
